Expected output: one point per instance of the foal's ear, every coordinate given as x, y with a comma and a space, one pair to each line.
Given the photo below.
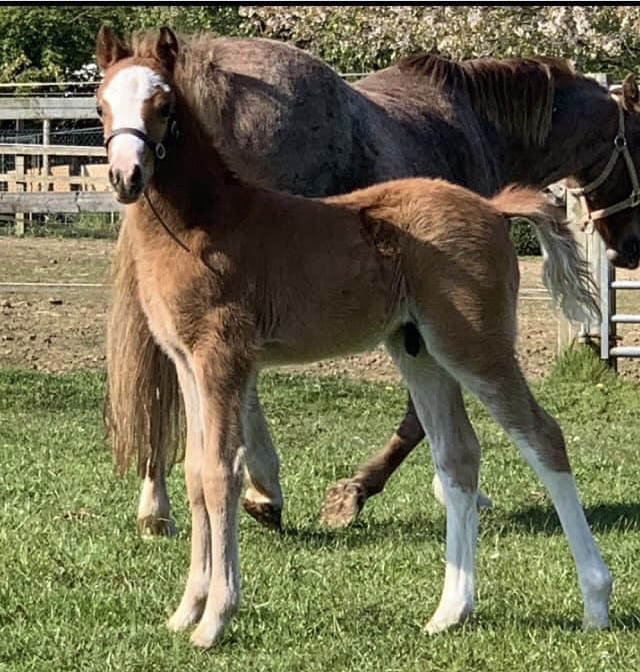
109, 49
167, 48
630, 94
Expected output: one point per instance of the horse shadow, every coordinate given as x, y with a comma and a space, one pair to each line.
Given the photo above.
543, 520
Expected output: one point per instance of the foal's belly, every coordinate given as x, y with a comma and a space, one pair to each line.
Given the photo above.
324, 341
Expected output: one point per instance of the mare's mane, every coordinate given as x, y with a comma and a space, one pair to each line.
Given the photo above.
516, 94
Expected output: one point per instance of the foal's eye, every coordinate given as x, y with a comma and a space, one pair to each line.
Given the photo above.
165, 111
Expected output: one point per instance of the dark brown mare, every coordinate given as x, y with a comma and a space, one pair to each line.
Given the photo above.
284, 119
233, 277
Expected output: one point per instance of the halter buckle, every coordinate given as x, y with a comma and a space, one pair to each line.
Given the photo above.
161, 152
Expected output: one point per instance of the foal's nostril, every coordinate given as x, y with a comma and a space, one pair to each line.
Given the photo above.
115, 177
136, 176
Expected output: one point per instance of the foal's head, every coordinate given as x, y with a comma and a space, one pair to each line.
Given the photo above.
136, 105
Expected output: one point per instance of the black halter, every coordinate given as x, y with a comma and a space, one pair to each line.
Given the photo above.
158, 148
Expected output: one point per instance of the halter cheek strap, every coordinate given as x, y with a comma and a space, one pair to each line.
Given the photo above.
619, 148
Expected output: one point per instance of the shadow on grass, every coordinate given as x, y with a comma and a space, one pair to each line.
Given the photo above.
414, 530
629, 621
620, 516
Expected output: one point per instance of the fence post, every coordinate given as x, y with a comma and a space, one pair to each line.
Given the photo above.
590, 248
20, 185
46, 137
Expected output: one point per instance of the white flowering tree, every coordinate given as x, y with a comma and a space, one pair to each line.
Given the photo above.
604, 38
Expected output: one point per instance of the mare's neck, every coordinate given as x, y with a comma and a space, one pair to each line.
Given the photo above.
580, 141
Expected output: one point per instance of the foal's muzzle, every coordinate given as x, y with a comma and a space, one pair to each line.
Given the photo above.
127, 187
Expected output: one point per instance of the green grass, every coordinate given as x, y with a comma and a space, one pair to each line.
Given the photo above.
79, 590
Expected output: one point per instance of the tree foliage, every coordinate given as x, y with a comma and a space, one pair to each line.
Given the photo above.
51, 42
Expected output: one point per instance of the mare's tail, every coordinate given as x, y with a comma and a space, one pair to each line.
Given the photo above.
565, 273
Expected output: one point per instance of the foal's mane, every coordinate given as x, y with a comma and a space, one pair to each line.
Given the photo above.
516, 94
195, 74
201, 90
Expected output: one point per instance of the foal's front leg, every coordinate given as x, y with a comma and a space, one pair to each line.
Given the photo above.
154, 509
222, 384
197, 586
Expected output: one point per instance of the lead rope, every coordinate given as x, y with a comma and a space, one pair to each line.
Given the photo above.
165, 226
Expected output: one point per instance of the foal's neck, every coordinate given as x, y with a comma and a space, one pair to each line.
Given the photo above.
192, 183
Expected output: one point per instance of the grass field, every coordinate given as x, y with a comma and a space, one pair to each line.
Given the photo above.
79, 590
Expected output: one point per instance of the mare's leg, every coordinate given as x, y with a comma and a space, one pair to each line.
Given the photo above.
456, 457
541, 443
263, 496
346, 498
197, 586
222, 380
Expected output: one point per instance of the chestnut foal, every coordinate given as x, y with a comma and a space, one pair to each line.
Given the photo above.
234, 277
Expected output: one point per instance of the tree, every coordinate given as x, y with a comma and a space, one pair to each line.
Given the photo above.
50, 43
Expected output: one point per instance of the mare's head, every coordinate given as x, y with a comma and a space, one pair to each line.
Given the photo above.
136, 103
613, 191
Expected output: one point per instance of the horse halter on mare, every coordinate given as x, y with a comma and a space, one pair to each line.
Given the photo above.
619, 148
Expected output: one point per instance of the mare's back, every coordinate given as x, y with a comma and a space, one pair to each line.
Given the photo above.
279, 115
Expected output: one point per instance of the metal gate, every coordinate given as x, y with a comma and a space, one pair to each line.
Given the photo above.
609, 287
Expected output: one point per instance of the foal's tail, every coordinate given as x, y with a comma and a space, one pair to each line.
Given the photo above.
565, 273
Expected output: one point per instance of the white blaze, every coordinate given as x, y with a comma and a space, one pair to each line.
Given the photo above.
126, 94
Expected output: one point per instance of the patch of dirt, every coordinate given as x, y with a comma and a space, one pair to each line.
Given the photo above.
57, 328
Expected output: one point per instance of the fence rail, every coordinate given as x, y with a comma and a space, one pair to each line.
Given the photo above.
50, 203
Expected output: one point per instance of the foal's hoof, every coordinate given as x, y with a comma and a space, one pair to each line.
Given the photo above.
342, 503
266, 514
444, 618
152, 526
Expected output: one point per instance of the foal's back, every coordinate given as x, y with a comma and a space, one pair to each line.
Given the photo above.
332, 276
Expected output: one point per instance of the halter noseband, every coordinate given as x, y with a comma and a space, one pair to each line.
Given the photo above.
158, 148
619, 147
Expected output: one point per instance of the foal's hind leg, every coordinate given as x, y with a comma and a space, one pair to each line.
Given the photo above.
456, 456
154, 513
539, 438
263, 496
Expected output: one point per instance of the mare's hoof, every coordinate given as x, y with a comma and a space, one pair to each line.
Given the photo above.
152, 526
484, 503
266, 514
342, 503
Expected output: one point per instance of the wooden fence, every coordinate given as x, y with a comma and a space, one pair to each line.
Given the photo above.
69, 188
